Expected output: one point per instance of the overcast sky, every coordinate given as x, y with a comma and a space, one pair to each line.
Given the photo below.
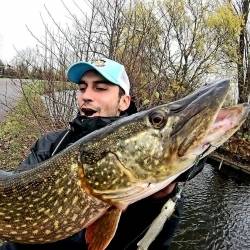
15, 14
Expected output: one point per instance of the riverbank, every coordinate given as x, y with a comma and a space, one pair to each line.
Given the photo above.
235, 153
21, 128
219, 160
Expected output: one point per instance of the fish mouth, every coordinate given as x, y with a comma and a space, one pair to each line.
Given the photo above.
202, 122
226, 123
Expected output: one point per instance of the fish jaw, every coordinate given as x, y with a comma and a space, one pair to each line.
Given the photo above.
227, 122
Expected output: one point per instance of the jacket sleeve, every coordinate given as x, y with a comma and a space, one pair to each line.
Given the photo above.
41, 150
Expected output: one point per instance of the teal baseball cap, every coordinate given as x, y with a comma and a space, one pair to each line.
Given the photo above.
112, 71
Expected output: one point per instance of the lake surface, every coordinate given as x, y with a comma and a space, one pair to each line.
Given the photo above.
216, 211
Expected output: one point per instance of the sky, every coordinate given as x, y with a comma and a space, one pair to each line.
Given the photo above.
15, 14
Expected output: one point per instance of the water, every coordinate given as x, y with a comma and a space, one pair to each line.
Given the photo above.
216, 211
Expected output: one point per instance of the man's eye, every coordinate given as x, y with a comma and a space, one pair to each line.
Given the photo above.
82, 89
101, 88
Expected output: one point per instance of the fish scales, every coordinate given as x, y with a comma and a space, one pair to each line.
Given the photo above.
59, 202
57, 206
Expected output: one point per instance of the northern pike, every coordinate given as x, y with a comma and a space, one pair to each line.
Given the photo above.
88, 184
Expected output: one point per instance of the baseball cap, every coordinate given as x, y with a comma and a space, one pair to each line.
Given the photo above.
109, 69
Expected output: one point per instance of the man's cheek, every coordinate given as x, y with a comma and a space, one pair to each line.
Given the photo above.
79, 103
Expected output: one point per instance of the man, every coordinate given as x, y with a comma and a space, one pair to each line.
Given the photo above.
102, 98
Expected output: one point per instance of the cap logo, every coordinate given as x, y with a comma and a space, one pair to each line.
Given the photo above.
99, 63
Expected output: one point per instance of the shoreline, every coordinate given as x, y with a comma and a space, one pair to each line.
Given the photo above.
220, 160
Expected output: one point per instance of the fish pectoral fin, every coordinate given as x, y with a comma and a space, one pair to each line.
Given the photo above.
99, 234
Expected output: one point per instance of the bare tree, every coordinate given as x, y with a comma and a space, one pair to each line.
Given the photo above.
241, 8
168, 47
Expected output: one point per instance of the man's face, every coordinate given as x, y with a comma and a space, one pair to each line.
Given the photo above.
98, 97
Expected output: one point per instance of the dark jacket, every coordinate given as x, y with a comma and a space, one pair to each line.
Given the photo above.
133, 221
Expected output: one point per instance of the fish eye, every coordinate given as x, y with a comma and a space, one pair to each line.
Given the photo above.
158, 119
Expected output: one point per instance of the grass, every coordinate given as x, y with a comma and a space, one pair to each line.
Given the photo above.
26, 122
21, 128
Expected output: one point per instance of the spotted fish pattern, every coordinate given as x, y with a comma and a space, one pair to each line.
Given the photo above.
47, 203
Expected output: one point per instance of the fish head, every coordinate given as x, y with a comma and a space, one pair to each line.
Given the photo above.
140, 154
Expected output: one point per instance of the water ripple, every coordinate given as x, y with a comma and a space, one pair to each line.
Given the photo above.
216, 212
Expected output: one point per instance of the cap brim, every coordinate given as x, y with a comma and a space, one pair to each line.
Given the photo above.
77, 70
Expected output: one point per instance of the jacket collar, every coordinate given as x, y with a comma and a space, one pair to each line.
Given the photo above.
84, 125
89, 124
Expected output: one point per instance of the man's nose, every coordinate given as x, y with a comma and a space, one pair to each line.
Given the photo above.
87, 95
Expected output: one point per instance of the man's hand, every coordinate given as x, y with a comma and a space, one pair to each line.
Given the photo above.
165, 191
187, 175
